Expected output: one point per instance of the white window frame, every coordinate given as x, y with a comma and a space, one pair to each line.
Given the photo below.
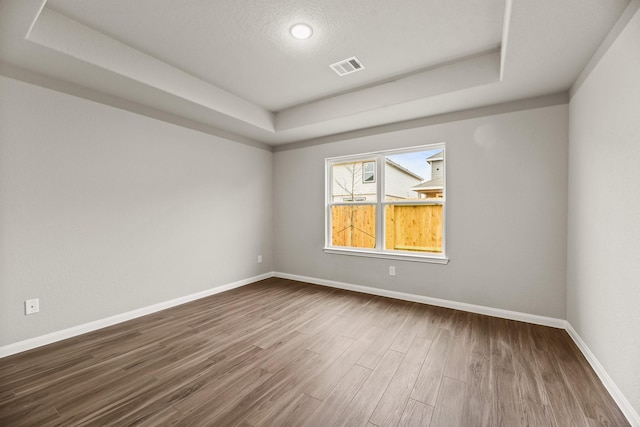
379, 251
364, 172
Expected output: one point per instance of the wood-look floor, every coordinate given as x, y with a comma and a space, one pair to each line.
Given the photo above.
284, 353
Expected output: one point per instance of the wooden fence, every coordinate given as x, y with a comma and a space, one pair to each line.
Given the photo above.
408, 227
353, 225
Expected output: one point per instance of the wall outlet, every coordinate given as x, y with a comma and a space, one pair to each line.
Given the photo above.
31, 306
259, 259
392, 270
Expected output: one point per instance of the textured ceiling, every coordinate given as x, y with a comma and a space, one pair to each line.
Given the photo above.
245, 47
231, 64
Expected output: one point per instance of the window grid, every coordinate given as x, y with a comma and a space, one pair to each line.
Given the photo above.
381, 208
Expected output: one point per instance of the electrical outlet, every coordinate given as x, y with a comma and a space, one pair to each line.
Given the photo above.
31, 306
259, 259
392, 270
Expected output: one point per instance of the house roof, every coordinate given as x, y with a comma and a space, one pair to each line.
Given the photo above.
436, 156
403, 169
432, 184
230, 68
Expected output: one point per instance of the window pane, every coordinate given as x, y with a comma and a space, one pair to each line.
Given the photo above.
353, 226
368, 172
416, 228
349, 185
417, 175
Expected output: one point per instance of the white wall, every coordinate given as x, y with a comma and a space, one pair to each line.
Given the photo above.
603, 275
103, 211
506, 213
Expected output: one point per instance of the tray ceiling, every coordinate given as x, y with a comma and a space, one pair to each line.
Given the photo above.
232, 64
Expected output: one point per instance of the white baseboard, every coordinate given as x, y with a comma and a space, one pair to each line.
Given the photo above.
32, 343
480, 309
632, 416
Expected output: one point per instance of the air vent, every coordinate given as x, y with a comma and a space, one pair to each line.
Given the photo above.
347, 66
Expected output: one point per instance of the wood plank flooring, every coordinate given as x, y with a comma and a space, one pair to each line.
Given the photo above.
285, 353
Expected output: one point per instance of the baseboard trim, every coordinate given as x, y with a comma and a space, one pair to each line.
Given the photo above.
632, 416
480, 309
52, 337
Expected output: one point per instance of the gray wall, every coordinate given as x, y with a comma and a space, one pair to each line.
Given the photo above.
506, 213
603, 280
103, 211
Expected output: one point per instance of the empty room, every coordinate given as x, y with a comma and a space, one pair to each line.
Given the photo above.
319, 213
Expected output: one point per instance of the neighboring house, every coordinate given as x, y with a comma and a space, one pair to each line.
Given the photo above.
432, 189
357, 182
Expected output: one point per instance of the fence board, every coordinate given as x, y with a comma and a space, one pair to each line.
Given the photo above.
414, 228
354, 226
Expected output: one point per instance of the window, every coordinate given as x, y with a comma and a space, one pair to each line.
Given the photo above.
369, 172
401, 215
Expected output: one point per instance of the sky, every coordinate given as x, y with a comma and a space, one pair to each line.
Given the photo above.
416, 162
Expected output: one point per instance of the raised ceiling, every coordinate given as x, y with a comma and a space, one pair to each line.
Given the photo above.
245, 47
232, 65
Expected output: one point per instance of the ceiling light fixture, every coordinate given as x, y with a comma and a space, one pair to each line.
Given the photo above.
301, 31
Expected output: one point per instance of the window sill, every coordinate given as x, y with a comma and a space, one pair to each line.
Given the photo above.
434, 259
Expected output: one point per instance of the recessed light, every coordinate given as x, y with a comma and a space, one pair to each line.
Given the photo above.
301, 31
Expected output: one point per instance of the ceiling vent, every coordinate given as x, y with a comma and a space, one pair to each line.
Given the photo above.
347, 66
